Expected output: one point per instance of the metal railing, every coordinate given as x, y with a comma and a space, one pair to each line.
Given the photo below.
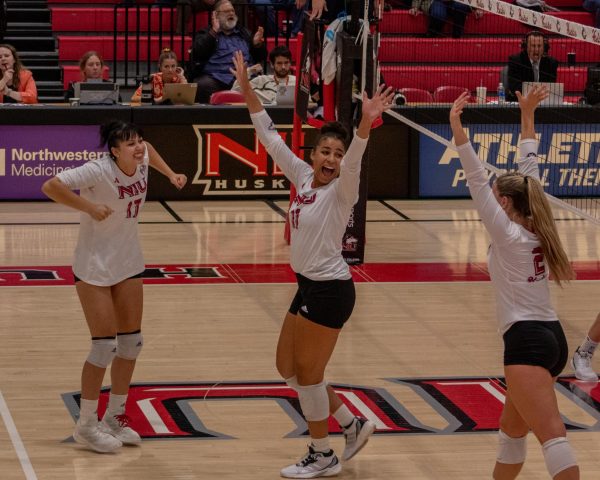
128, 23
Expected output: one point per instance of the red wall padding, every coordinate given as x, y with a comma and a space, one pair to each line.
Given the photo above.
429, 78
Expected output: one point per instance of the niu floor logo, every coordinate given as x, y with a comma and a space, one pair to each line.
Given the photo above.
2, 162
464, 405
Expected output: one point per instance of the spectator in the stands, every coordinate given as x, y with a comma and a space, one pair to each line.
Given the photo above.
296, 15
214, 47
16, 82
532, 64
265, 86
536, 5
594, 7
91, 67
169, 72
441, 12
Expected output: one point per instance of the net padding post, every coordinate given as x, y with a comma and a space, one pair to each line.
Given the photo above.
351, 52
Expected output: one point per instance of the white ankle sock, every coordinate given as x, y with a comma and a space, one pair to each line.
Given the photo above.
321, 444
116, 404
88, 411
588, 346
344, 416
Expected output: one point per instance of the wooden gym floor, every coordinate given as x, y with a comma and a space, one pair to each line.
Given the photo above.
420, 354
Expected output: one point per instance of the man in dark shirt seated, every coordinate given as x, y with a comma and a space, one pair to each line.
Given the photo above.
533, 64
214, 47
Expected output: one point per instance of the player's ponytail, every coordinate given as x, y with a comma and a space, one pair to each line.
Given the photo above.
333, 130
545, 229
529, 201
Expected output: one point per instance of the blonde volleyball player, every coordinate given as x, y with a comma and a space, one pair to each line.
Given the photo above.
108, 267
525, 248
327, 191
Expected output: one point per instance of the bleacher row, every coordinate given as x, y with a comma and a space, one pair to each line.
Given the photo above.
406, 59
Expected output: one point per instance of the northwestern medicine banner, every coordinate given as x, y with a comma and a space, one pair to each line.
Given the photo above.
29, 155
569, 164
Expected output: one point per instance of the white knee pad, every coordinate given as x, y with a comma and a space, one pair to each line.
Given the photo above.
103, 351
511, 450
314, 401
558, 455
129, 345
292, 383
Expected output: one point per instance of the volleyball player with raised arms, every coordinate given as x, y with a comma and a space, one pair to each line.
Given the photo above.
326, 193
108, 269
525, 248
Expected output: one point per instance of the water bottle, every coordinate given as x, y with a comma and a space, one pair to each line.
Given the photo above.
147, 96
501, 93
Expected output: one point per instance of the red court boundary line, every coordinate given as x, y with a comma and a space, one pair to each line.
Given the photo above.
214, 273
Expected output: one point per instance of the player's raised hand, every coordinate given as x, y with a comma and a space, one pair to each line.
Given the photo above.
240, 72
535, 96
381, 101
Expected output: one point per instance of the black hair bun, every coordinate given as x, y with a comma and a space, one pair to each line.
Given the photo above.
335, 129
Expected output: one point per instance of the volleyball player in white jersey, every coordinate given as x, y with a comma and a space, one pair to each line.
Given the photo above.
108, 267
326, 193
525, 248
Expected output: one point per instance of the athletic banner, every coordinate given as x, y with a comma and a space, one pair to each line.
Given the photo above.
30, 155
568, 155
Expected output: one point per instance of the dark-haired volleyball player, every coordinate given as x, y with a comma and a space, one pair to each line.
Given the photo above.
525, 248
326, 193
108, 267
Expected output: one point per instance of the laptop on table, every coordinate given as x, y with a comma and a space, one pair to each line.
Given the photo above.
556, 90
96, 93
285, 95
180, 93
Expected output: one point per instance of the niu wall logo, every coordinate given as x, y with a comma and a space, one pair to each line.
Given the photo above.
232, 161
463, 405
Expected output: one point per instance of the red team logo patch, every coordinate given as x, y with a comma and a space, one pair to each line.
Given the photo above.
468, 405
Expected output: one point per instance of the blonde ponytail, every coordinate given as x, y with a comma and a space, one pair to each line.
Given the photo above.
545, 229
529, 201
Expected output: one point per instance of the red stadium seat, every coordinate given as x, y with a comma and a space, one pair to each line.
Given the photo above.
101, 19
401, 21
71, 47
447, 94
416, 95
475, 50
225, 97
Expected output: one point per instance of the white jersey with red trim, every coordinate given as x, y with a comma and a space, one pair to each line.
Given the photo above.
318, 216
109, 251
515, 258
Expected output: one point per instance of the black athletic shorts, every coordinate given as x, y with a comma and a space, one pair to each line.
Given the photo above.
328, 302
77, 279
536, 343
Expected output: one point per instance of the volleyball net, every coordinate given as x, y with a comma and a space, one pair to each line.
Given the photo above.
430, 65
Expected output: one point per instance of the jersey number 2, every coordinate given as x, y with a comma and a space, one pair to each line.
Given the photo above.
538, 261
